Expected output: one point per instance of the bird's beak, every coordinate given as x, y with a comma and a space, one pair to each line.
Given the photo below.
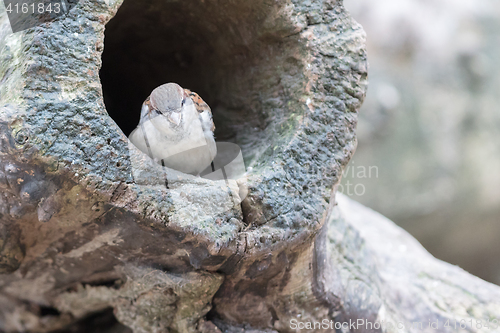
175, 118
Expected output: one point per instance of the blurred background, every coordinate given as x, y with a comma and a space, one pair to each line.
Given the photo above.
428, 152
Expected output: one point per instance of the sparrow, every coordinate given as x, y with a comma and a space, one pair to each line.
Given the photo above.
176, 129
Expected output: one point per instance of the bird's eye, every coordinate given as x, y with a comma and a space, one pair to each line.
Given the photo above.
183, 101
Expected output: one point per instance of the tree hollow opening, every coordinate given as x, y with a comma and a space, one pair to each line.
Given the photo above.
235, 55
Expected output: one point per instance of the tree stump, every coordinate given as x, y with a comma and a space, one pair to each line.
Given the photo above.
95, 236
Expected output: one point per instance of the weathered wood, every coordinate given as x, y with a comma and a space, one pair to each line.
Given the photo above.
89, 223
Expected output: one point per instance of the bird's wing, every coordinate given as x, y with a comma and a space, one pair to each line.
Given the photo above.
146, 109
202, 107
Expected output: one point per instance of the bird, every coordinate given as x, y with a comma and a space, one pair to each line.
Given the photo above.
176, 129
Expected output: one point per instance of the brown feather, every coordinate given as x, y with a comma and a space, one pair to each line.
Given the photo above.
200, 104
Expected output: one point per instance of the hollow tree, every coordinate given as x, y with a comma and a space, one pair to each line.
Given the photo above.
92, 235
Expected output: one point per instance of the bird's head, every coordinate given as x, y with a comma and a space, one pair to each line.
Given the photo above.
168, 100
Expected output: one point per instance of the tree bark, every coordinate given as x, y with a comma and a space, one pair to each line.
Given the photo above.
96, 236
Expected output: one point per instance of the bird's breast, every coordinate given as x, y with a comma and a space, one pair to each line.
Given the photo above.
189, 147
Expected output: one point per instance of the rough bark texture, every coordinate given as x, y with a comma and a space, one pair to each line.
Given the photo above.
381, 273
88, 224
87, 221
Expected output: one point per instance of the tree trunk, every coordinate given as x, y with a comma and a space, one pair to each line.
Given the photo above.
96, 237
